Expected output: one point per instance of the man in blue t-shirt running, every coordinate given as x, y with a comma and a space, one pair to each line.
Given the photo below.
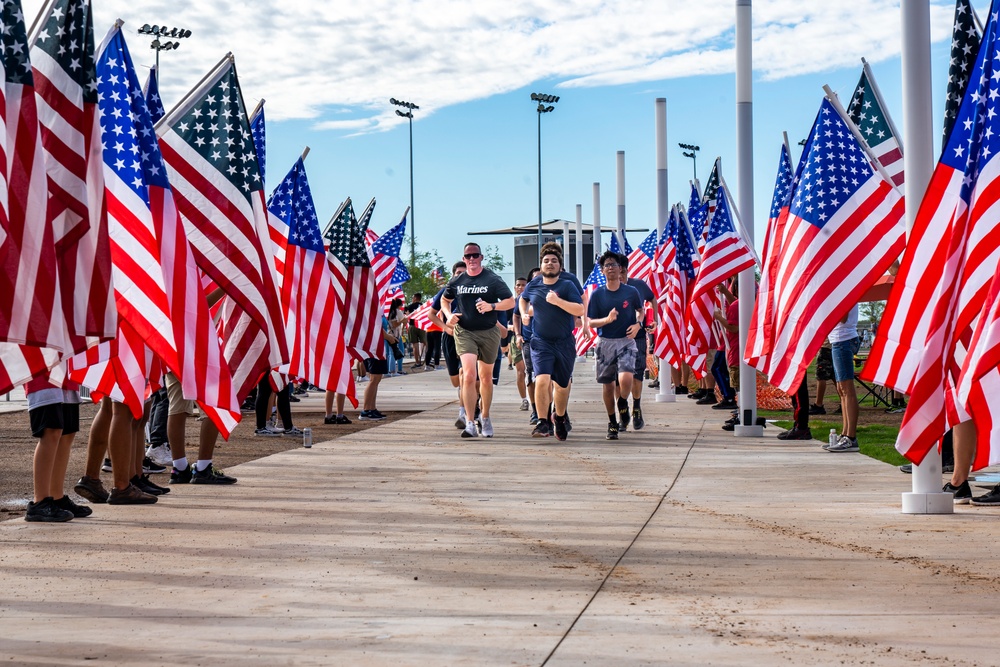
613, 312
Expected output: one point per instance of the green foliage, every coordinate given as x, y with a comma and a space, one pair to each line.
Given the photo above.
420, 274
493, 259
871, 311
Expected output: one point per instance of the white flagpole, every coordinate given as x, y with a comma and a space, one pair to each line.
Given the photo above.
747, 428
598, 247
666, 392
620, 229
918, 164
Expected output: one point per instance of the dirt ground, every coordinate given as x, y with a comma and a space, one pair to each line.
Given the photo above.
17, 447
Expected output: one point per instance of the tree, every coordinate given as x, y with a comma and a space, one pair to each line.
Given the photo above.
493, 259
872, 311
420, 274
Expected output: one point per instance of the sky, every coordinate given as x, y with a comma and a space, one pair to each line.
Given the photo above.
327, 71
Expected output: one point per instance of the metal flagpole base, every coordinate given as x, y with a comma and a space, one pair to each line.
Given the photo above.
748, 431
666, 397
928, 503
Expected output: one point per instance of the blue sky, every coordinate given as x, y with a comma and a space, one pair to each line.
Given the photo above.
327, 73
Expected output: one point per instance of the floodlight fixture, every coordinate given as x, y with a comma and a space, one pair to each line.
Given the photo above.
408, 114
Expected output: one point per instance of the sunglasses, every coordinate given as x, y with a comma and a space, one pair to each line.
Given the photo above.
609, 266
472, 255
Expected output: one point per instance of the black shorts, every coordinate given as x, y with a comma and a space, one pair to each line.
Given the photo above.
554, 358
824, 364
529, 368
451, 360
61, 416
640, 356
377, 366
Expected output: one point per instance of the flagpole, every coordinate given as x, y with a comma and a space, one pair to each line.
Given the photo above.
595, 240
918, 165
305, 153
340, 209
666, 392
839, 108
579, 242
747, 428
620, 169
187, 101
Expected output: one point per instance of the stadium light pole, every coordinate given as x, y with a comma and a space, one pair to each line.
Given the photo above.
408, 114
158, 31
545, 103
691, 151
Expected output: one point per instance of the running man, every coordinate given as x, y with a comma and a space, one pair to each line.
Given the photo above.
613, 312
556, 303
477, 294
647, 296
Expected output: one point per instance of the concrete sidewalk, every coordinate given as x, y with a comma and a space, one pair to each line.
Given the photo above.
407, 545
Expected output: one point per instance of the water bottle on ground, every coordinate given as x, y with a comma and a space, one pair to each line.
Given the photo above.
307, 437
833, 437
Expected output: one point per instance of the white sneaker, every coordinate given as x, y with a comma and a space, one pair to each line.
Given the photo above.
160, 454
267, 433
524, 404
460, 422
470, 430
845, 444
487, 428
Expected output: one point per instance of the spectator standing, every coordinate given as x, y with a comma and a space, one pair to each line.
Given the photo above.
417, 336
844, 344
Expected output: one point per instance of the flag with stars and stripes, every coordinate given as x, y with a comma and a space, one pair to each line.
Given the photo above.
761, 320
151, 91
419, 318
965, 41
61, 48
843, 229
868, 112
640, 260
616, 246
725, 255
161, 305
277, 228
313, 324
356, 291
209, 151
31, 316
389, 268
938, 339
585, 336
669, 343
697, 212
680, 279
438, 275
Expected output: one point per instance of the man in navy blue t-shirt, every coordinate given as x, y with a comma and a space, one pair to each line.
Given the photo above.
647, 296
555, 304
613, 310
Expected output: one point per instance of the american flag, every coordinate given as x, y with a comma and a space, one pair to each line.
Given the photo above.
670, 344
158, 292
276, 227
680, 279
965, 41
313, 325
62, 55
698, 211
30, 313
725, 255
640, 260
871, 117
843, 230
438, 275
759, 331
615, 246
594, 280
207, 145
151, 91
709, 201
420, 318
389, 269
939, 328
356, 292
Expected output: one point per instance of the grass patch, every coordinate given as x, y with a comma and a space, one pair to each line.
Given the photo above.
875, 440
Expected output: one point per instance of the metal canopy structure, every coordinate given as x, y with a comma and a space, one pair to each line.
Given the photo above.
550, 227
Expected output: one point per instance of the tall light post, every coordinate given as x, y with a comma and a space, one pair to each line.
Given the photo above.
542, 100
158, 31
691, 151
408, 114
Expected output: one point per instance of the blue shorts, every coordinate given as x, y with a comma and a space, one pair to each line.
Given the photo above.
843, 358
554, 357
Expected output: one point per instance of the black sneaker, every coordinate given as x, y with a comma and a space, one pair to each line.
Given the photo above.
130, 495
569, 424
92, 490
963, 492
142, 483
698, 395
150, 467
79, 511
292, 398
333, 419
680, 390
211, 475
708, 399
726, 404
817, 409
533, 419
623, 419
560, 427
990, 499
612, 431
46, 510
637, 421
180, 476
796, 434
543, 429
730, 426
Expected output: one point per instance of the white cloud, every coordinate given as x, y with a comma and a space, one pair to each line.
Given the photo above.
310, 60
